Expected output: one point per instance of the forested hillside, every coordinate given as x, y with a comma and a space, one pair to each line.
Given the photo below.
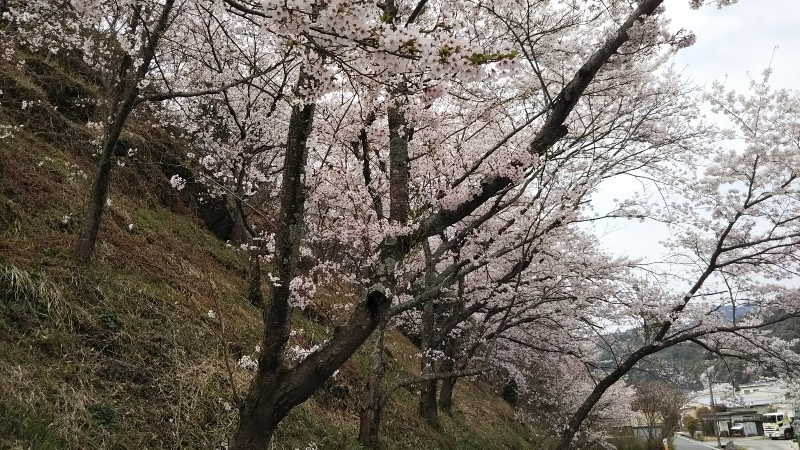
683, 365
124, 353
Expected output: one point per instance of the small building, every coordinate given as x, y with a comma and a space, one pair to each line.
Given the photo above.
746, 421
744, 404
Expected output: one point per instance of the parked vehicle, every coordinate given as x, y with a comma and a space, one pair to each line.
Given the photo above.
778, 425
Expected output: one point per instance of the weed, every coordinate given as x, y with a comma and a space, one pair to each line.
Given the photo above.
21, 285
110, 320
103, 414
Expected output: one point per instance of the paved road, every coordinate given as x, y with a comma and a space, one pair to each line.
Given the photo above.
682, 443
752, 443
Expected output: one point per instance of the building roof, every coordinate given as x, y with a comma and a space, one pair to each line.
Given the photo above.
765, 393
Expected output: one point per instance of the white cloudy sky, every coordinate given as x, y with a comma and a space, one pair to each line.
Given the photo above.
741, 38
733, 44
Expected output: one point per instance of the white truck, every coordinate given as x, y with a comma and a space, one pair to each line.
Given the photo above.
778, 425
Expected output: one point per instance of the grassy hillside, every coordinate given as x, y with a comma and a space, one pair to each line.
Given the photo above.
123, 353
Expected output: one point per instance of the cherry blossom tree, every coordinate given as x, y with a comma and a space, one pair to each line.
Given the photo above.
738, 236
140, 51
392, 249
122, 41
436, 159
660, 406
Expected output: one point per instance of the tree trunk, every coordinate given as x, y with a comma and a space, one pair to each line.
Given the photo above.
428, 409
448, 365
239, 228
98, 197
276, 389
372, 403
398, 164
262, 409
254, 294
446, 393
369, 423
123, 103
273, 394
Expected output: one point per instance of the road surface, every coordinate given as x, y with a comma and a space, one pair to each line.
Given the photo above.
751, 443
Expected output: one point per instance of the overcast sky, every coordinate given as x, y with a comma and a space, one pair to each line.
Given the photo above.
735, 44
740, 39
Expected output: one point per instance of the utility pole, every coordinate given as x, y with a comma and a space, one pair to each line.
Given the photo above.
713, 412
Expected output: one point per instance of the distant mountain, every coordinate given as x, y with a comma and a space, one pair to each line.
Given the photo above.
728, 310
682, 365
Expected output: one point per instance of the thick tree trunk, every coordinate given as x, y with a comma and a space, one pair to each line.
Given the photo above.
372, 403
392, 253
448, 365
369, 423
123, 103
276, 389
273, 394
565, 443
262, 409
428, 410
398, 164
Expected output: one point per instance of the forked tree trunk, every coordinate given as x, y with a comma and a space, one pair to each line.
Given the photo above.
273, 394
276, 389
263, 407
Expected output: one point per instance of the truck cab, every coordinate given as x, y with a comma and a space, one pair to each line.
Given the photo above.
778, 425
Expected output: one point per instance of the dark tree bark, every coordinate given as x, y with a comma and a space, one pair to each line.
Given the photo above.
254, 293
125, 98
239, 226
428, 409
273, 394
262, 411
369, 422
398, 163
391, 252
276, 389
372, 402
448, 365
